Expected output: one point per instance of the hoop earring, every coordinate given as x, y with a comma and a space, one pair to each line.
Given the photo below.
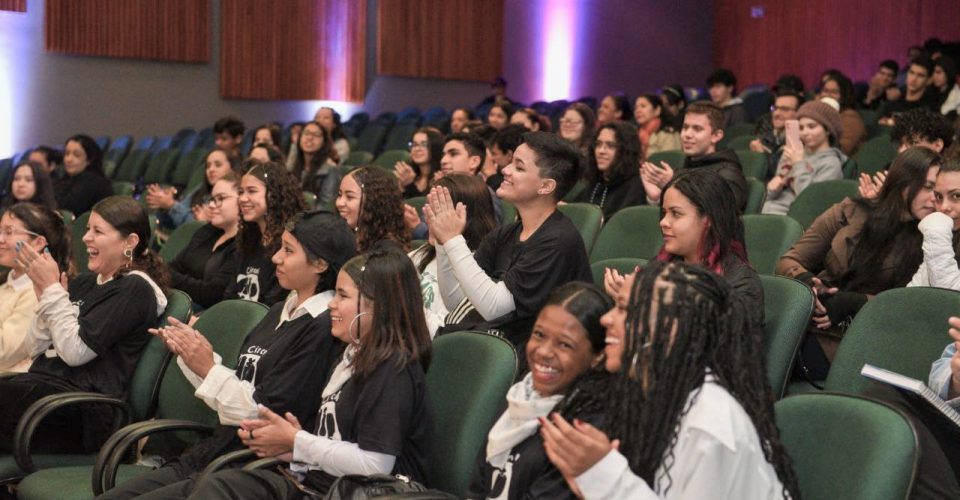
355, 340
128, 253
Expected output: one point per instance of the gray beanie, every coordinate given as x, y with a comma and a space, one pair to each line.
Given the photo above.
824, 114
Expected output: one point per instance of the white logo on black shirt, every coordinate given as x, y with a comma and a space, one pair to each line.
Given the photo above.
247, 365
500, 482
249, 284
327, 418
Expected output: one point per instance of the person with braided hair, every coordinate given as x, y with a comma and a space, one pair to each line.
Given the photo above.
689, 410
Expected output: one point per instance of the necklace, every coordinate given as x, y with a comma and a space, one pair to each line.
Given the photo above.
603, 197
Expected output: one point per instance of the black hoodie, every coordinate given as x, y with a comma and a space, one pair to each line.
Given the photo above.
726, 163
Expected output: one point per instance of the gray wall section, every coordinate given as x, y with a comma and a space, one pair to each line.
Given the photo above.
628, 45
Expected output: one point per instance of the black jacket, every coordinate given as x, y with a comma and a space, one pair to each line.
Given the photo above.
726, 163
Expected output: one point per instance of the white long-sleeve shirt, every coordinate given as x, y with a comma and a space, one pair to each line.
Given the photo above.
939, 267
717, 455
459, 276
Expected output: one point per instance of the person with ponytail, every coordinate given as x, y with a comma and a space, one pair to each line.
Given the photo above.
39, 227
284, 360
268, 197
374, 416
564, 347
689, 411
88, 335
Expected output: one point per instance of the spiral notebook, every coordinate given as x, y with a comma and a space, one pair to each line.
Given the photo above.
914, 386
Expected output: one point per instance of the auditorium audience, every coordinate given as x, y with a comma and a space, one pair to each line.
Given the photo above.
859, 248
370, 202
940, 243
329, 119
566, 344
722, 86
772, 138
267, 134
204, 267
689, 413
283, 363
837, 86
315, 163
31, 183
50, 159
613, 107
83, 183
42, 229
172, 213
268, 197
228, 134
674, 101
881, 88
656, 129
915, 92
612, 179
374, 415
531, 120
501, 149
88, 334
460, 117
577, 126
818, 159
426, 150
945, 86
498, 117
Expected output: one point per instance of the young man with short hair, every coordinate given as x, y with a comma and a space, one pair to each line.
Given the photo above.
502, 146
722, 85
771, 142
915, 94
463, 153
875, 94
702, 130
228, 133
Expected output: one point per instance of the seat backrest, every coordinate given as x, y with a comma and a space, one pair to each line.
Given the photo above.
848, 447
631, 232
587, 217
875, 154
468, 379
508, 212
624, 265
400, 135
417, 202
310, 199
225, 325
372, 137
756, 196
820, 196
768, 237
754, 164
358, 158
179, 239
787, 305
741, 143
673, 157
902, 329
389, 158
186, 165
155, 357
77, 229
133, 166
161, 166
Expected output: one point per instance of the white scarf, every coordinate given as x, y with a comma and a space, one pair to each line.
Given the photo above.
520, 421
341, 374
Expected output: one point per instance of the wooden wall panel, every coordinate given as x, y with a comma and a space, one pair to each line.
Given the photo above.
448, 39
293, 49
14, 5
809, 37
167, 30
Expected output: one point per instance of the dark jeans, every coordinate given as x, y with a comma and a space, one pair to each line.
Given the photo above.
59, 432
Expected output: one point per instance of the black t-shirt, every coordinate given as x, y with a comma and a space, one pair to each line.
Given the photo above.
255, 278
114, 318
387, 413
528, 473
615, 195
202, 272
288, 367
531, 269
79, 193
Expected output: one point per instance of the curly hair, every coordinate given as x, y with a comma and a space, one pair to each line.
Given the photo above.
284, 199
685, 324
625, 162
921, 125
381, 209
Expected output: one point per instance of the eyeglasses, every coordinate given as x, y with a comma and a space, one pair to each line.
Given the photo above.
9, 231
216, 200
566, 121
315, 135
422, 145
782, 109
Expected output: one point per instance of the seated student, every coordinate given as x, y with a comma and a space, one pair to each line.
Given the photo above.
204, 267
502, 146
656, 129
374, 414
29, 183
87, 335
83, 183
466, 153
940, 239
771, 134
722, 86
944, 82
50, 159
268, 197
284, 360
819, 160
460, 117
566, 343
330, 120
612, 179
613, 107
838, 87
881, 85
267, 134
371, 204
701, 225
498, 117
915, 92
315, 164
228, 134
41, 228
702, 130
503, 285
531, 120
267, 153
674, 101
171, 212
416, 175
859, 248
577, 126
471, 192
689, 407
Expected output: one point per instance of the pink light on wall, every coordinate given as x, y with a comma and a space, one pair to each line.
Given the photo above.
558, 57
